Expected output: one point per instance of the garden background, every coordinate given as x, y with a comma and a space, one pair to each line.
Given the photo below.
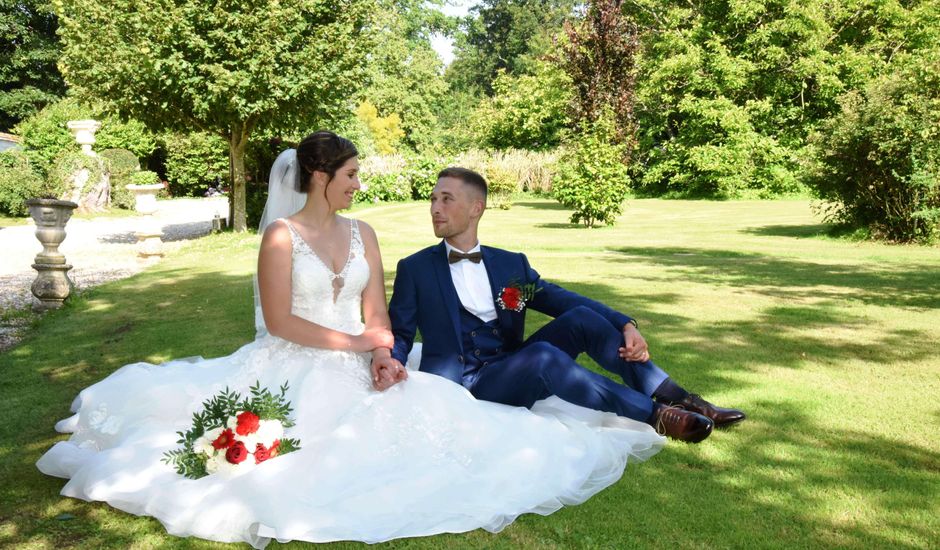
762, 179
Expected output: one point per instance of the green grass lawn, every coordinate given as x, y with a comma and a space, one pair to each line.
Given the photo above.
830, 346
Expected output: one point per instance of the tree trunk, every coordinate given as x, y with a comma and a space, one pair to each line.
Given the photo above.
238, 140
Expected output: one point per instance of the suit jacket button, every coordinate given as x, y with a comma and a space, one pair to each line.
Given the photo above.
473, 334
495, 332
485, 363
476, 352
460, 358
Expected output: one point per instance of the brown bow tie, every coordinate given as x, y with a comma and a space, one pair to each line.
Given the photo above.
455, 257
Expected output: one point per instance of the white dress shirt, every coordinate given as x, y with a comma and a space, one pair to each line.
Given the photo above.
472, 285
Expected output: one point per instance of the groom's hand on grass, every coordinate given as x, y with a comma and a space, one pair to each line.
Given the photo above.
634, 348
386, 370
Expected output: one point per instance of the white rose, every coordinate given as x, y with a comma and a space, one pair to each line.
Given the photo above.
226, 468
251, 441
232, 421
268, 431
204, 446
213, 464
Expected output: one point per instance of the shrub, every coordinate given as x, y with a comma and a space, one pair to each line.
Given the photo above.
501, 185
385, 131
60, 180
473, 159
144, 177
877, 163
421, 172
592, 178
382, 177
527, 111
534, 171
195, 162
389, 187
18, 182
121, 164
45, 135
399, 178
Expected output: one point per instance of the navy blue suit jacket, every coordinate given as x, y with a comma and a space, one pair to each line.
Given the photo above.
424, 299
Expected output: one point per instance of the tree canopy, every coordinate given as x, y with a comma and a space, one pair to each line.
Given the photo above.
226, 67
29, 78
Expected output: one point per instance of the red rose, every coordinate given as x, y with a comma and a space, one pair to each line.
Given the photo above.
511, 297
237, 453
224, 441
247, 423
261, 454
273, 450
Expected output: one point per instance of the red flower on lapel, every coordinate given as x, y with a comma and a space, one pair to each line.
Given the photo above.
514, 296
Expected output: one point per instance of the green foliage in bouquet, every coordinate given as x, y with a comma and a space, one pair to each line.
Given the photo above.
216, 412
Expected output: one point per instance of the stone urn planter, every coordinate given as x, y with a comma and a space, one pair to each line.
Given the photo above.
149, 232
52, 285
84, 132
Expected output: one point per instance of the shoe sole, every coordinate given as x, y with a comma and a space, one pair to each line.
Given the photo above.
731, 423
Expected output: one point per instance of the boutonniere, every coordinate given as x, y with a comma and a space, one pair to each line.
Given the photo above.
514, 295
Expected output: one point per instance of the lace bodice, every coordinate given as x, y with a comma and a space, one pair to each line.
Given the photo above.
322, 296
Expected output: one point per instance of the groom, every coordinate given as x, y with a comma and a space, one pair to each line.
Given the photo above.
469, 302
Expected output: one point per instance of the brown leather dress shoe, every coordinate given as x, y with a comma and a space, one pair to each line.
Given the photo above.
720, 416
682, 425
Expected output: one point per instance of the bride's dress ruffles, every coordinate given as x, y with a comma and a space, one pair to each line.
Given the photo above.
421, 458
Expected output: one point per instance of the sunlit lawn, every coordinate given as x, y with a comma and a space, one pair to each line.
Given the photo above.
831, 347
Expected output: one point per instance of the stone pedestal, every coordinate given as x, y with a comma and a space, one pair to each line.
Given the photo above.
84, 132
149, 232
52, 285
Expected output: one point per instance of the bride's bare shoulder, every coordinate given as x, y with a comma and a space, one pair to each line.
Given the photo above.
277, 234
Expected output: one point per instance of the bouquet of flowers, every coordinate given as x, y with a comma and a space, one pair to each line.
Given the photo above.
232, 435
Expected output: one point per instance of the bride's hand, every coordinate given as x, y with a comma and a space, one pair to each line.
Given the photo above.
386, 372
377, 337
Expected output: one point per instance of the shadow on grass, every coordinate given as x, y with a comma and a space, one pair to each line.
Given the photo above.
171, 232
541, 205
702, 355
795, 231
770, 482
784, 481
158, 315
908, 285
556, 225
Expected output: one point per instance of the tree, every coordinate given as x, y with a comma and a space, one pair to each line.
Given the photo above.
528, 111
877, 162
227, 67
404, 75
600, 59
729, 90
504, 35
29, 49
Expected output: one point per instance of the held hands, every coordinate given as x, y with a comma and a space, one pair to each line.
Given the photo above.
372, 338
635, 348
386, 371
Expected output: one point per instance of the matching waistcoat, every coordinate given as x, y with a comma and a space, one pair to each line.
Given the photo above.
483, 343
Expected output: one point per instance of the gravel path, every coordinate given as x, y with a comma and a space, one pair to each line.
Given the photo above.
100, 250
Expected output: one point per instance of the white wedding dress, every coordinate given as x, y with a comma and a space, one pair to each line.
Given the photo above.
422, 458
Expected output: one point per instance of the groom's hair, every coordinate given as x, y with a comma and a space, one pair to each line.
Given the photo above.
469, 177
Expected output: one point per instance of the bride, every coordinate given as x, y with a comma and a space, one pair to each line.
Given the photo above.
421, 458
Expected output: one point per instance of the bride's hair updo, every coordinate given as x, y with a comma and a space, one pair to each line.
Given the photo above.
322, 151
